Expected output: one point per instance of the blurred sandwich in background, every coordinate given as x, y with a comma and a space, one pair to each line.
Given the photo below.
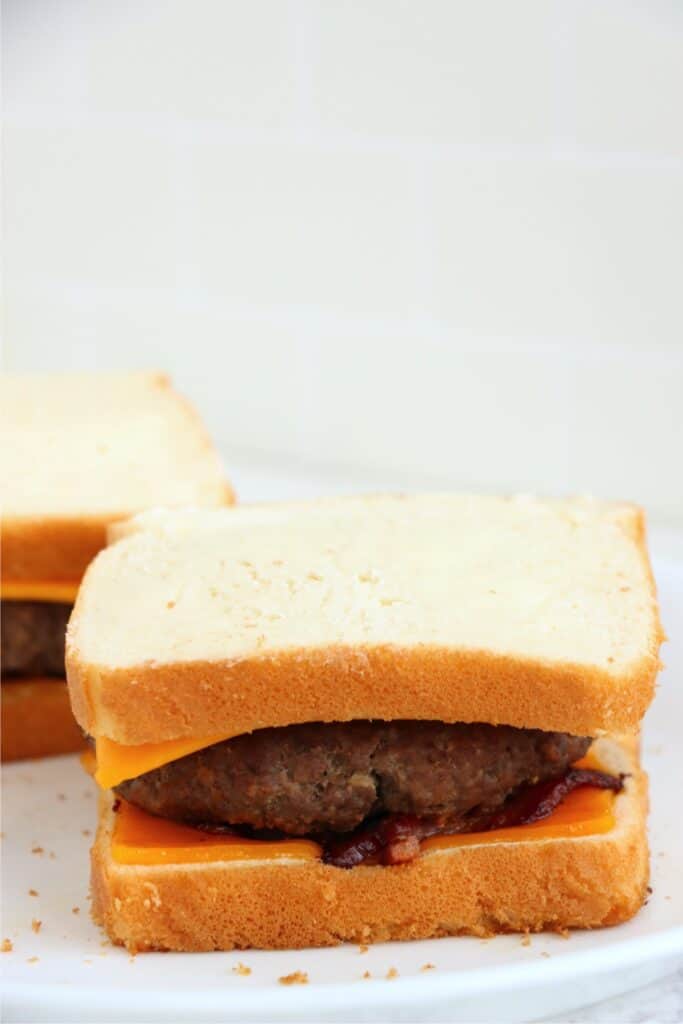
78, 452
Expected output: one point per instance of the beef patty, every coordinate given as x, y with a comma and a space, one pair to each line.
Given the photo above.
32, 637
316, 777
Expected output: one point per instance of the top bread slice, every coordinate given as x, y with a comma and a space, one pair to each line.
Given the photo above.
81, 450
532, 613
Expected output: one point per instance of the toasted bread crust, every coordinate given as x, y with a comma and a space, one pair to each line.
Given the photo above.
37, 720
155, 703
162, 701
481, 890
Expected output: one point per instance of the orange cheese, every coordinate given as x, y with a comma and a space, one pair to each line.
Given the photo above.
117, 762
585, 812
59, 591
140, 838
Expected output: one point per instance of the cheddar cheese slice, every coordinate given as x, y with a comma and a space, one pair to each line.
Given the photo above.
58, 591
117, 762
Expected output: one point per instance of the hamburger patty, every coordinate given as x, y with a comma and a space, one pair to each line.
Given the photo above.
303, 779
32, 637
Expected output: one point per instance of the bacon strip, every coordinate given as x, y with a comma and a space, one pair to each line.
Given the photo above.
396, 838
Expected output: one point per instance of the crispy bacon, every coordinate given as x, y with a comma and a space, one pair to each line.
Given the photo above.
395, 839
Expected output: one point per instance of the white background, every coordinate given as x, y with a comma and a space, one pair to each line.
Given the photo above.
435, 243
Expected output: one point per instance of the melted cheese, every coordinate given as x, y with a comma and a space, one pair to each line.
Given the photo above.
117, 762
140, 838
61, 592
585, 812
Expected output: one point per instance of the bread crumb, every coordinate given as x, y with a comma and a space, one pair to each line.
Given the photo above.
427, 967
363, 948
52, 855
526, 939
6, 946
75, 910
38, 849
86, 832
564, 933
61, 796
295, 978
545, 955
241, 969
32, 960
392, 973
33, 892
366, 974
36, 925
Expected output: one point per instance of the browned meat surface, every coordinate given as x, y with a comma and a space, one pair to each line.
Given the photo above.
317, 777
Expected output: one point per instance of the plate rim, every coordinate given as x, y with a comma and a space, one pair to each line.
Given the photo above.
591, 963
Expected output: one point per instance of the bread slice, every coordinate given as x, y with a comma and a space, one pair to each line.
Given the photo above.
37, 719
81, 450
480, 889
537, 614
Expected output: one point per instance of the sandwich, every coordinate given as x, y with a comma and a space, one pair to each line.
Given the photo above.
366, 719
78, 452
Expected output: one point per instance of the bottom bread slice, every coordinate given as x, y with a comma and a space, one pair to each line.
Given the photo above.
37, 719
481, 889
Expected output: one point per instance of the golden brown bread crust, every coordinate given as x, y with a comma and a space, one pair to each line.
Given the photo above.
552, 884
37, 720
159, 702
152, 703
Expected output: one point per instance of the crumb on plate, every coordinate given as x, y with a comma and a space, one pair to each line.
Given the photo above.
392, 973
295, 978
36, 925
241, 969
427, 967
75, 910
33, 892
6, 946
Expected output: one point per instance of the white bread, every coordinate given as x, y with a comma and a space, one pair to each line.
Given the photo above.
482, 889
37, 719
538, 614
81, 450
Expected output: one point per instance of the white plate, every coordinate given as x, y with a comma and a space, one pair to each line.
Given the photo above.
78, 977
